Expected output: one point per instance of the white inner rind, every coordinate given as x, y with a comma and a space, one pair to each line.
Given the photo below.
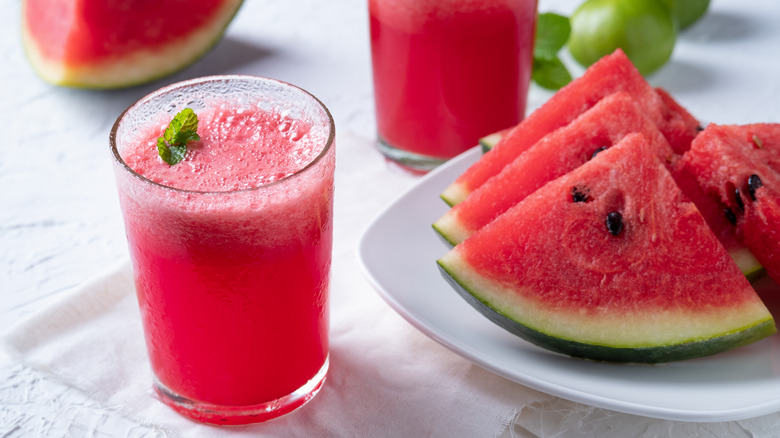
451, 228
133, 68
490, 141
746, 261
610, 327
454, 194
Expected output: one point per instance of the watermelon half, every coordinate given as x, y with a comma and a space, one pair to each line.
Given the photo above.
109, 44
563, 271
739, 167
611, 74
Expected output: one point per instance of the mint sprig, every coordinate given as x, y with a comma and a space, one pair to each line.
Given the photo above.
172, 146
552, 33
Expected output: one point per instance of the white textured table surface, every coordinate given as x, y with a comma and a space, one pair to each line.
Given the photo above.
59, 218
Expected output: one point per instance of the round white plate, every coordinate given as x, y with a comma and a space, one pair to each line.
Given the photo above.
398, 253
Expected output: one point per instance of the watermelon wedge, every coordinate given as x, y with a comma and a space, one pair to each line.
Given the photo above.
610, 262
104, 44
611, 74
739, 167
559, 152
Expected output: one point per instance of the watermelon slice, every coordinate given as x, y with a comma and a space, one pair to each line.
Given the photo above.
103, 44
611, 74
739, 166
610, 262
559, 152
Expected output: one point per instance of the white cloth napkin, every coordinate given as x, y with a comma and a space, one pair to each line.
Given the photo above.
386, 379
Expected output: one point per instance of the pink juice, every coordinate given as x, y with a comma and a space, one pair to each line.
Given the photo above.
448, 72
231, 256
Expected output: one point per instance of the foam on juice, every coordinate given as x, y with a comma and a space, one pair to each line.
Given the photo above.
412, 15
239, 149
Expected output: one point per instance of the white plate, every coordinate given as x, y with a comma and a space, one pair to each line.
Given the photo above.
398, 253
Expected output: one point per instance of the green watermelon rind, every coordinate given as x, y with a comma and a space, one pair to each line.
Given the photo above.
489, 141
650, 354
157, 68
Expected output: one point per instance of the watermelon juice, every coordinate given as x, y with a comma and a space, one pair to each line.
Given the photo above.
231, 247
448, 72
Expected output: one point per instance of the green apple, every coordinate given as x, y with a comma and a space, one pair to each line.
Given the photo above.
644, 30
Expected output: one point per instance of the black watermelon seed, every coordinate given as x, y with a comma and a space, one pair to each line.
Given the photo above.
730, 216
578, 195
754, 183
614, 222
738, 198
699, 128
596, 152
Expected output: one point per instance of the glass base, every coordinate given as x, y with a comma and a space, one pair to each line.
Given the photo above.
234, 415
410, 161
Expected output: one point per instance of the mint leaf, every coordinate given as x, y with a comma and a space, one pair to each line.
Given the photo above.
172, 146
172, 154
552, 33
188, 120
550, 73
182, 137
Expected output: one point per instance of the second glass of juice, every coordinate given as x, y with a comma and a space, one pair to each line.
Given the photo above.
448, 72
231, 247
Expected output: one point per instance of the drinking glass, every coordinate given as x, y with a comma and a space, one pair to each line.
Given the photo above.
232, 285
448, 72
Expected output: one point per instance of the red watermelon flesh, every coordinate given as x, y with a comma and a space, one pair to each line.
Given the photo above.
611, 74
713, 212
102, 44
681, 126
559, 152
723, 158
660, 288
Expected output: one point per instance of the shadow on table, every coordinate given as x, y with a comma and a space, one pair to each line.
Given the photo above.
230, 55
715, 28
679, 75
720, 27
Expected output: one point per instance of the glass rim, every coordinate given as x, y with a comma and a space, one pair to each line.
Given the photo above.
221, 78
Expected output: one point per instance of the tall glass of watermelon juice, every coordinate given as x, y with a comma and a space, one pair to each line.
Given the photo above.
231, 247
448, 72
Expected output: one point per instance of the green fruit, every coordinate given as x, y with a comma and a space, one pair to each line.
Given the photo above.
643, 29
687, 12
